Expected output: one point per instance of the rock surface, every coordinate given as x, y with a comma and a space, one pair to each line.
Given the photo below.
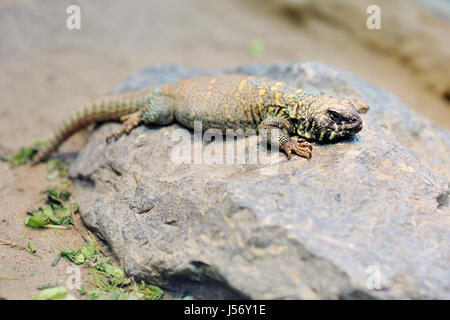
375, 207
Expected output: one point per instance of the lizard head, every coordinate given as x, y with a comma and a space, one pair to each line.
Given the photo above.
327, 119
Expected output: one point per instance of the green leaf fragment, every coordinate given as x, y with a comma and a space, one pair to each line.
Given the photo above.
65, 184
118, 287
154, 293
88, 250
75, 207
46, 215
115, 273
93, 294
75, 256
48, 212
52, 192
156, 290
151, 292
37, 220
56, 197
55, 262
31, 247
64, 209
26, 154
54, 293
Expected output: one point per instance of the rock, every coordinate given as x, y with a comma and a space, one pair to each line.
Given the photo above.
372, 208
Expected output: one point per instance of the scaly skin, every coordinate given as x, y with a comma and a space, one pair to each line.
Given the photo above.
226, 102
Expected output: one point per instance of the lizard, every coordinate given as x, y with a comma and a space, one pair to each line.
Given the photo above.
225, 102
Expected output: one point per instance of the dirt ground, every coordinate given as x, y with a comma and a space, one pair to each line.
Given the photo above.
47, 71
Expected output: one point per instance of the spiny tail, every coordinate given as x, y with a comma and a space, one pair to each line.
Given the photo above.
110, 108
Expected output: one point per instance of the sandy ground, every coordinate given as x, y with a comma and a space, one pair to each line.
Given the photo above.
47, 71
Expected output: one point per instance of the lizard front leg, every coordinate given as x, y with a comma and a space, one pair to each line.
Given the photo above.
158, 112
282, 139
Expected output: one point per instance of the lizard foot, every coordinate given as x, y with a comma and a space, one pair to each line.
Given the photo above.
299, 146
130, 121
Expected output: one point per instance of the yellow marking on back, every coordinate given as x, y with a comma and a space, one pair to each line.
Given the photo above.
291, 97
295, 109
298, 91
260, 103
277, 98
243, 83
322, 134
277, 85
262, 92
240, 87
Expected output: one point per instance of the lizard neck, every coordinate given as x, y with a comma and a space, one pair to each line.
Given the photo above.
302, 114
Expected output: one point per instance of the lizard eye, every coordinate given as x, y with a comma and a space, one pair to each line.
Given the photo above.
335, 116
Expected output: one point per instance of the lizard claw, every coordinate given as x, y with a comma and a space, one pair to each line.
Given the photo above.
130, 121
299, 146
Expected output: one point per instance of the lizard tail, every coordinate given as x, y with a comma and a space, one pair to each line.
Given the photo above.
108, 109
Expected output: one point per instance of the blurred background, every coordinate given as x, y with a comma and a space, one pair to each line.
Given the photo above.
48, 70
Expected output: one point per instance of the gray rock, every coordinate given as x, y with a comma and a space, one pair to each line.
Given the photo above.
376, 205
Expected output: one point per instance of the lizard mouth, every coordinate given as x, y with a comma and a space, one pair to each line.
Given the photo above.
350, 128
345, 123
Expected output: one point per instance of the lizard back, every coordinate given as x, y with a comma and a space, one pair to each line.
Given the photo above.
226, 101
